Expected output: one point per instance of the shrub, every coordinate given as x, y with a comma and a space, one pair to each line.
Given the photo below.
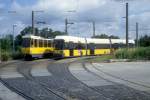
17, 55
5, 56
133, 53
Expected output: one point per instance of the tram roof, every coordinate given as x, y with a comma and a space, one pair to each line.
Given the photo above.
92, 40
82, 40
35, 37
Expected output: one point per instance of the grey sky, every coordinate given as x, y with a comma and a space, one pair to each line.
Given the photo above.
107, 15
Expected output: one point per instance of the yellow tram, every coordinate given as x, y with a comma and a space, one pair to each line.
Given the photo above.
36, 46
69, 46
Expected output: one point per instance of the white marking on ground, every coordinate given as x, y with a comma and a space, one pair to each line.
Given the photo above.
6, 94
10, 72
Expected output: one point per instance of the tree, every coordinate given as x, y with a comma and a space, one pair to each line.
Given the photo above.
104, 36
55, 33
28, 30
144, 41
18, 41
6, 42
44, 32
114, 37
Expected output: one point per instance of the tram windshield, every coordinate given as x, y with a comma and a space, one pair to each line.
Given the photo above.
26, 42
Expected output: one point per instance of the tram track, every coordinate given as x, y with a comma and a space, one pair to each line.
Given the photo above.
135, 83
26, 72
61, 83
72, 82
11, 87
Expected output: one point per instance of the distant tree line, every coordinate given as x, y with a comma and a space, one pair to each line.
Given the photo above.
144, 41
104, 36
6, 41
45, 32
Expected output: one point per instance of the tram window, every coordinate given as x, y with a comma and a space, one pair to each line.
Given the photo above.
71, 45
91, 46
102, 46
115, 45
40, 43
59, 44
66, 45
49, 44
35, 42
80, 46
26, 42
32, 42
45, 43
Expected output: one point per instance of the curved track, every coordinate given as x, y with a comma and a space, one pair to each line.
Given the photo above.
61, 84
26, 71
27, 86
117, 77
11, 87
71, 86
125, 92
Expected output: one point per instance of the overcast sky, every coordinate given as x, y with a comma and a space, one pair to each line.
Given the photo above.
107, 14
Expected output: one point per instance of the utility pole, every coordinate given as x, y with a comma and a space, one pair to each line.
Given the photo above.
0, 48
86, 46
127, 26
137, 30
33, 29
66, 25
14, 38
93, 22
33, 21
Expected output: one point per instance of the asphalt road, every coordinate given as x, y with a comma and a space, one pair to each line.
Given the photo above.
74, 80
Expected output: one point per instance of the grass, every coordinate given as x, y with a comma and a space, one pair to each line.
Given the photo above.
142, 53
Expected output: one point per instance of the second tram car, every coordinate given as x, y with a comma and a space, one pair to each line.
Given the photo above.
70, 46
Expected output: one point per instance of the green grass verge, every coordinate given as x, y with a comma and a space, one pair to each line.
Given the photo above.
142, 53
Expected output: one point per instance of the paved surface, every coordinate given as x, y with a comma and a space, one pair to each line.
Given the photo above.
110, 80
133, 74
6, 94
69, 80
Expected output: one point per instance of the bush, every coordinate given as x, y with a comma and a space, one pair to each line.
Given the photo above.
17, 55
5, 56
133, 53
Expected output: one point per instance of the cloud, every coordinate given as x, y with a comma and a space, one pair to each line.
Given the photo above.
107, 15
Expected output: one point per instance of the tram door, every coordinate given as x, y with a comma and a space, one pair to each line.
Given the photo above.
71, 48
92, 48
91, 51
71, 52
